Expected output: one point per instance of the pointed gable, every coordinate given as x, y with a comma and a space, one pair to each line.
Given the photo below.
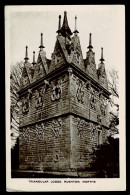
102, 77
89, 62
42, 54
41, 68
76, 56
67, 49
30, 71
25, 81
59, 55
90, 65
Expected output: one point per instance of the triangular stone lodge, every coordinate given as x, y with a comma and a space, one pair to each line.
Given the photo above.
64, 113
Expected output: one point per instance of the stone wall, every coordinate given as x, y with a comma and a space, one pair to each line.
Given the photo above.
87, 102
61, 123
84, 138
46, 102
46, 146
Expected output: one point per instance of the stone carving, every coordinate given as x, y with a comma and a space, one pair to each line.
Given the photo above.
39, 98
80, 92
93, 131
26, 159
103, 104
81, 127
56, 92
25, 105
93, 99
56, 127
56, 159
99, 119
88, 85
40, 131
100, 94
25, 134
103, 107
57, 58
70, 71
29, 94
39, 158
90, 57
77, 55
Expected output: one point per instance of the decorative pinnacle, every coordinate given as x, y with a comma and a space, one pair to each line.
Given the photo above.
26, 55
102, 55
41, 46
90, 42
59, 26
33, 58
76, 31
65, 29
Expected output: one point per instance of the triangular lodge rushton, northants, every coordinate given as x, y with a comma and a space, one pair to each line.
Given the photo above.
63, 98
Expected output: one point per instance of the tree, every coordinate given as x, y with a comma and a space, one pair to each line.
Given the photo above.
113, 86
106, 159
15, 76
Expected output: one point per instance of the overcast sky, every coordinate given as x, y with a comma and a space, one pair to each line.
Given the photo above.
106, 23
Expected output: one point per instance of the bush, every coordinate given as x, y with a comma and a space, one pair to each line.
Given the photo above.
106, 159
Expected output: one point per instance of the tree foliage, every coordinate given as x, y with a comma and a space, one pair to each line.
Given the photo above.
15, 76
106, 159
113, 86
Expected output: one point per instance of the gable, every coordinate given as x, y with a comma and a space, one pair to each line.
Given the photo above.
24, 79
76, 56
58, 56
90, 66
102, 77
41, 68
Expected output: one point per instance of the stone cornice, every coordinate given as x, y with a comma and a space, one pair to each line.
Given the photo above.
62, 115
59, 71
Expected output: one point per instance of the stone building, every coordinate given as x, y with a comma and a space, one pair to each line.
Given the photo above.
64, 112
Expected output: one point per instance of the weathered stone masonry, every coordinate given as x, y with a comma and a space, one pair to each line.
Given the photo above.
64, 109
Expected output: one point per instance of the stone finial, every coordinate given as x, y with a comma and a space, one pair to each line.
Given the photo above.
34, 62
41, 43
76, 31
26, 55
90, 42
102, 59
59, 25
65, 29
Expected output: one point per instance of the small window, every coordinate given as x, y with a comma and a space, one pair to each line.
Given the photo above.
99, 137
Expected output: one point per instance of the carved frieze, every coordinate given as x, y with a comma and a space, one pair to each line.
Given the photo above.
26, 158
93, 99
103, 105
80, 91
39, 98
26, 135
39, 158
56, 127
56, 91
56, 158
88, 85
40, 131
25, 105
81, 127
70, 71
99, 120
93, 131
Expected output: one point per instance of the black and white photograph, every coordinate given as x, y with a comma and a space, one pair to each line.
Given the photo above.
65, 97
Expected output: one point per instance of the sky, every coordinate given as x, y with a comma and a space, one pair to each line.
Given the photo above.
105, 22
